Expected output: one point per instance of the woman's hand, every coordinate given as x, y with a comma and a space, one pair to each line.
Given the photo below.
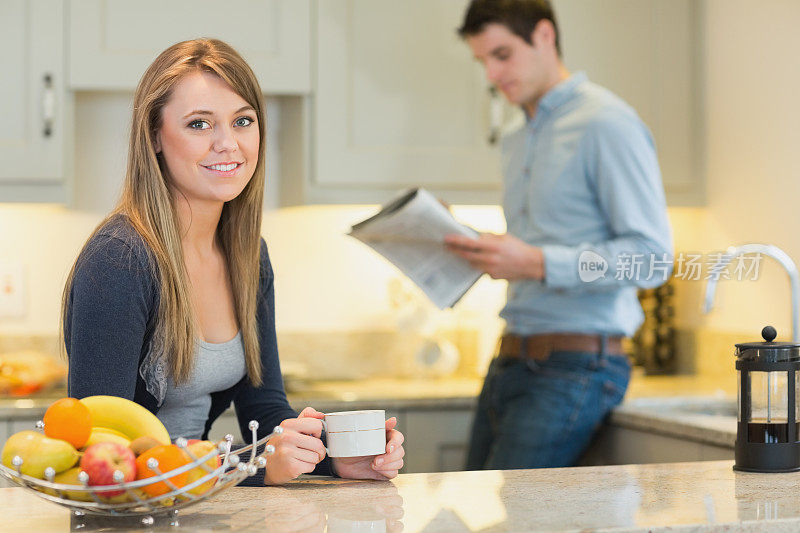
298, 449
379, 467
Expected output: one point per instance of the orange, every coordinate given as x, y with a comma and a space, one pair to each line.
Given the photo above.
68, 419
169, 457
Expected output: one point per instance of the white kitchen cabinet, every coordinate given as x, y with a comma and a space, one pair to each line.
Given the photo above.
436, 440
33, 102
398, 102
22, 424
4, 434
113, 41
649, 52
616, 445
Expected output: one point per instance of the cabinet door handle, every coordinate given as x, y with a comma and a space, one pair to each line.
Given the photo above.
495, 115
48, 106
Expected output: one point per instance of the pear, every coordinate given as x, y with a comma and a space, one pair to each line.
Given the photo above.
38, 452
70, 477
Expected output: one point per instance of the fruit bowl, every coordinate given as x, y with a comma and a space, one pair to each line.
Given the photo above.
131, 498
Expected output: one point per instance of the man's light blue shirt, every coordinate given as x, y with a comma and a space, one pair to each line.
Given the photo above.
582, 182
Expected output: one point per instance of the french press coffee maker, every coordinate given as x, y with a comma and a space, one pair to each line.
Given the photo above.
768, 374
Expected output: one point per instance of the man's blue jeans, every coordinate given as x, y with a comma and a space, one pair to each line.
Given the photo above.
538, 414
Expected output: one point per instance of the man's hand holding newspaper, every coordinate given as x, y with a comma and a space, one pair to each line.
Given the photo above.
410, 232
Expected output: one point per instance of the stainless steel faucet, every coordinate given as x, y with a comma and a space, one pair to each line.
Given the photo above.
765, 249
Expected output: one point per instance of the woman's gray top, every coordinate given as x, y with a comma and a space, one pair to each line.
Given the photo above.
217, 367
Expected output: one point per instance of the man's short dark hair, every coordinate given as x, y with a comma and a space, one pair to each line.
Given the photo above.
519, 16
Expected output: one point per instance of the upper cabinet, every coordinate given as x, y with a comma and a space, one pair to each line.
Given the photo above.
33, 101
112, 42
649, 52
398, 102
392, 99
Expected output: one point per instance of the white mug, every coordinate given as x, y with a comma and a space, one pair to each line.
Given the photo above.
355, 433
336, 525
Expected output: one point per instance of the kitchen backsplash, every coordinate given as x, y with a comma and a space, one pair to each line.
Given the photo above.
334, 296
365, 354
46, 344
339, 355
345, 355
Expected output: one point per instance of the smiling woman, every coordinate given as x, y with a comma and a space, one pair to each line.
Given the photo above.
201, 146
170, 303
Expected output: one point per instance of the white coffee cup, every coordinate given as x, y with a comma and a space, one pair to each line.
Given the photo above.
355, 433
337, 525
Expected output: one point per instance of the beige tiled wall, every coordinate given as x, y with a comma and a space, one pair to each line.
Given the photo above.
710, 352
365, 354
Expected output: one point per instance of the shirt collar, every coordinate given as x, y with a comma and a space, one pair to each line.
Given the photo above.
561, 92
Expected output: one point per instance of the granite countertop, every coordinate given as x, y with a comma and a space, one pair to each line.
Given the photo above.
26, 408
699, 408
439, 393
698, 496
709, 420
333, 395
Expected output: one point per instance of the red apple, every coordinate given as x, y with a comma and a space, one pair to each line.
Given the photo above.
101, 460
201, 448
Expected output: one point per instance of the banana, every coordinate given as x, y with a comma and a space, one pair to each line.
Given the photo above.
107, 435
126, 417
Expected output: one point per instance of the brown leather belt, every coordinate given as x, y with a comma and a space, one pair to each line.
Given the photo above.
539, 346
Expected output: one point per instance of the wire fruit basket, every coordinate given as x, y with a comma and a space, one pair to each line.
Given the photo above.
127, 499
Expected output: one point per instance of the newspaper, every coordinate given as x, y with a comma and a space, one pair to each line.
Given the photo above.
409, 231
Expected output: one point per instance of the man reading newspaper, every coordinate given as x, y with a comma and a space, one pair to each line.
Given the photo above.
582, 190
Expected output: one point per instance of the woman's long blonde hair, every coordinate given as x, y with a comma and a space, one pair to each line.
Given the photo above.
147, 203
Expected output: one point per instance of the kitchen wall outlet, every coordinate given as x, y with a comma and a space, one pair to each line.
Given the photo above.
12, 289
